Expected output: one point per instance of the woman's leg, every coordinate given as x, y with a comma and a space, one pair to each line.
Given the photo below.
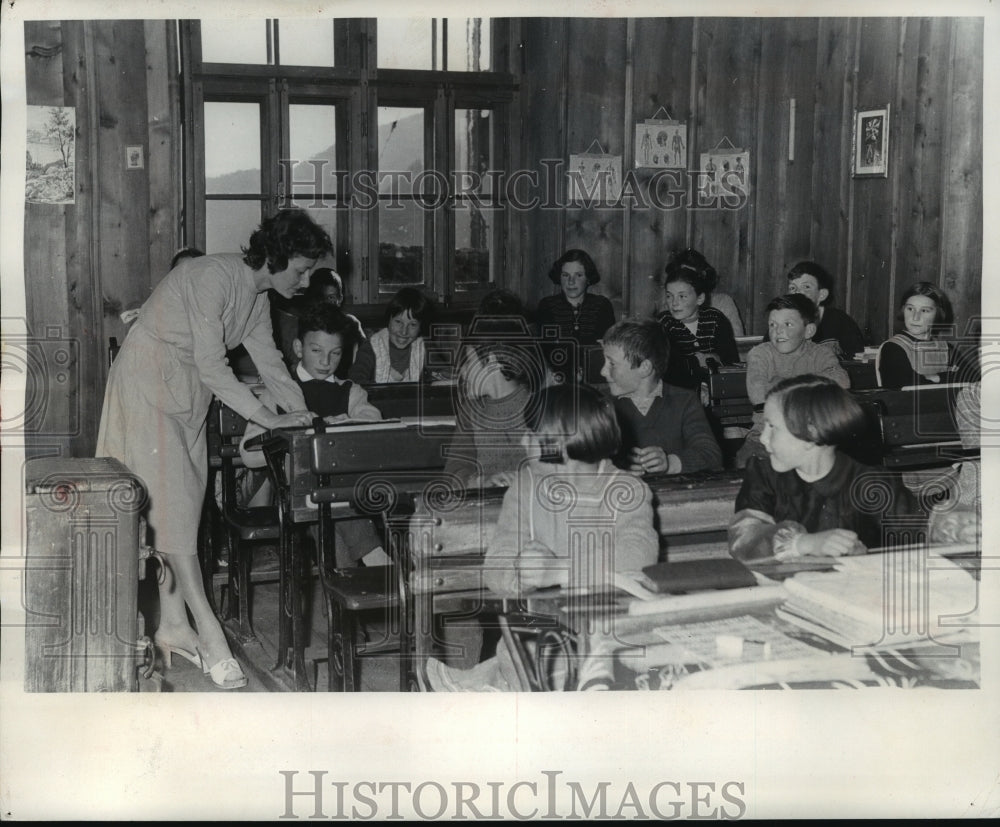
190, 590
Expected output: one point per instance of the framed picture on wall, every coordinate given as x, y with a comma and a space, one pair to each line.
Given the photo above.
661, 144
871, 143
594, 178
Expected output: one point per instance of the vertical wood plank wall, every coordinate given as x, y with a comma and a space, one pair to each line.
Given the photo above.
88, 261
583, 79
734, 78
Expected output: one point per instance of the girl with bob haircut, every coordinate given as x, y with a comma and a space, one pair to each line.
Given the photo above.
806, 498
170, 365
569, 519
578, 314
916, 355
396, 353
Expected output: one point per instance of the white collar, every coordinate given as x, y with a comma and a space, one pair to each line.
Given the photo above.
303, 375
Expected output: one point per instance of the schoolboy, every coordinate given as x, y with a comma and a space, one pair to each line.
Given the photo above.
664, 428
324, 332
834, 328
789, 351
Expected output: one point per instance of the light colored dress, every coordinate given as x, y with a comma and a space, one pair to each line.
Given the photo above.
161, 384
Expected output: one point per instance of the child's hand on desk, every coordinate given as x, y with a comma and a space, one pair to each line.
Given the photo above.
836, 542
333, 420
535, 564
651, 460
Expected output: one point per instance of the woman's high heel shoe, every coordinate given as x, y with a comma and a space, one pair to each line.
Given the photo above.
226, 674
169, 648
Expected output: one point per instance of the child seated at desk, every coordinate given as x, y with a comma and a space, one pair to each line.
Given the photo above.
917, 355
499, 370
696, 330
396, 353
567, 506
324, 331
789, 351
834, 328
664, 429
804, 497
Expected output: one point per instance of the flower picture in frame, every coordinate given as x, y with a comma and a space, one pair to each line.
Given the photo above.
871, 143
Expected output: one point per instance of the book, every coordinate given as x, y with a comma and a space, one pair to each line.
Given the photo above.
697, 575
891, 599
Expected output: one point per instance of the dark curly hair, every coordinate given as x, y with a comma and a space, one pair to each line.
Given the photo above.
589, 268
692, 267
288, 234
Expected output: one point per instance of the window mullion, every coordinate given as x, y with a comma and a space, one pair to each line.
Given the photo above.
443, 218
281, 132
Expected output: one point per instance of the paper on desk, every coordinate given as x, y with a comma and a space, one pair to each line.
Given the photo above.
709, 600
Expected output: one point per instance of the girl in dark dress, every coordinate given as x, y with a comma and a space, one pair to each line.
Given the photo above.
805, 498
917, 355
578, 314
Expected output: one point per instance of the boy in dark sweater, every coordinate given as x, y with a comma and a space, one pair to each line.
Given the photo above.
834, 328
324, 333
664, 428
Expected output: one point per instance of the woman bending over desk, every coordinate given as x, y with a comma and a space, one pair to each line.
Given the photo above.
570, 519
805, 498
158, 394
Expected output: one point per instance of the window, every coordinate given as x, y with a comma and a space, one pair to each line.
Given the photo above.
388, 132
459, 44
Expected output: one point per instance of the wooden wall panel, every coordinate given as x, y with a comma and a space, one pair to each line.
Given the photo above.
830, 135
962, 212
163, 163
543, 141
921, 132
46, 277
123, 274
872, 247
782, 195
728, 57
595, 112
661, 77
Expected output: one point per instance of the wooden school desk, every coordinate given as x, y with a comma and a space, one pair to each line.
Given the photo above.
291, 455
448, 536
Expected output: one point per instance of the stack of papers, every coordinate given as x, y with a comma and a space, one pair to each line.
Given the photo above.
885, 600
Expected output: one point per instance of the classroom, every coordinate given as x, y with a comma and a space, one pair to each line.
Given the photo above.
501, 354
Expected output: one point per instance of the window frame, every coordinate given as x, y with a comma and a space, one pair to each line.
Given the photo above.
357, 88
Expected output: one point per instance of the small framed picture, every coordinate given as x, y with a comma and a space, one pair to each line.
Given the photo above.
871, 143
134, 157
661, 144
594, 178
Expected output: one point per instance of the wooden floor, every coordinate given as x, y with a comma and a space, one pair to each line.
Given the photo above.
258, 657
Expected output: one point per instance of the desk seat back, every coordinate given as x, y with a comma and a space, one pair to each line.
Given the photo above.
917, 427
694, 503
399, 400
372, 467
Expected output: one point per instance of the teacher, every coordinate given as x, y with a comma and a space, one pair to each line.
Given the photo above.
171, 364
